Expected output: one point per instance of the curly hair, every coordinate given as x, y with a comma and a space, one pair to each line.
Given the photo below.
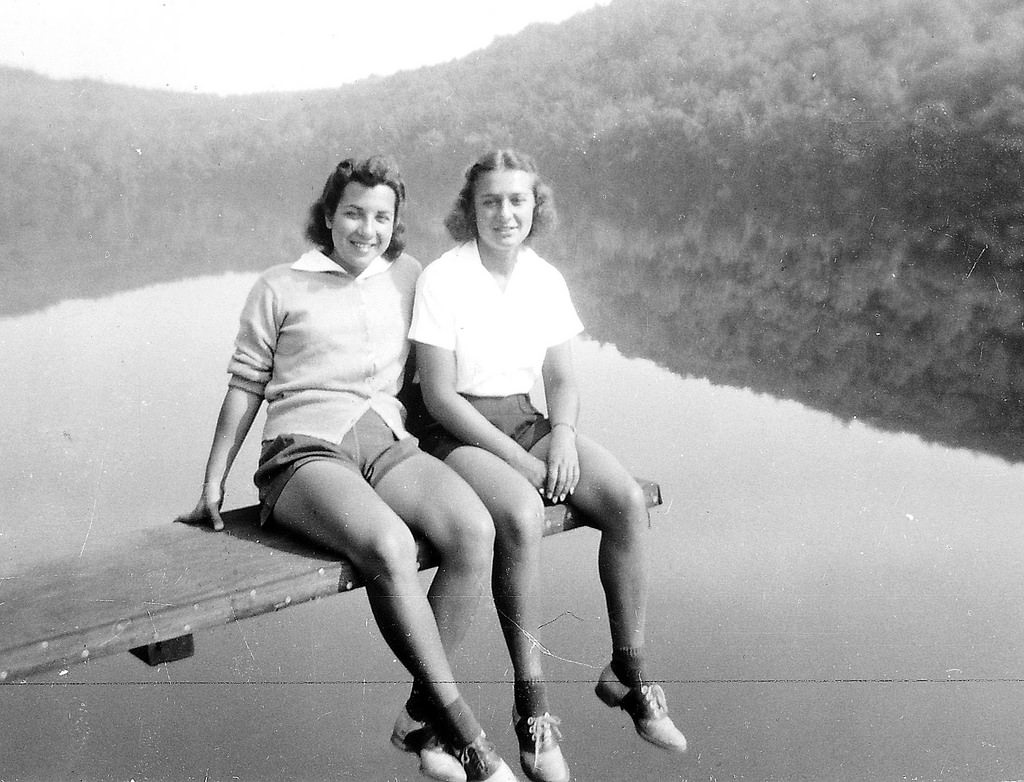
461, 220
376, 170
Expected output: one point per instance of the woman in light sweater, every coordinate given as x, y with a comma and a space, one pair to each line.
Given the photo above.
324, 342
491, 319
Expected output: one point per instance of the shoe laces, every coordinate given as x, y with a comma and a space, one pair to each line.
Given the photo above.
544, 732
477, 758
654, 700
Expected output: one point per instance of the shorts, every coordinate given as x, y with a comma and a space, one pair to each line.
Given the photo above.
370, 448
514, 415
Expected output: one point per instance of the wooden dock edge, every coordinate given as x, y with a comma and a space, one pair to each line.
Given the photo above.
161, 585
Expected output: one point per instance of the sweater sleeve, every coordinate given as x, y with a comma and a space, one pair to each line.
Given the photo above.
252, 362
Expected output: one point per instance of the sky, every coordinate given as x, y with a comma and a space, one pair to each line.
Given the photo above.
241, 46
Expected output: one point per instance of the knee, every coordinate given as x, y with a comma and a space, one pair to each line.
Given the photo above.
633, 502
521, 526
628, 504
469, 537
391, 554
478, 535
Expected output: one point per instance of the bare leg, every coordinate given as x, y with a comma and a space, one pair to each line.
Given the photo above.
614, 503
438, 504
518, 514
336, 508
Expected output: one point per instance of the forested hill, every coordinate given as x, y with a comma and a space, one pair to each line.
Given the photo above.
819, 200
899, 120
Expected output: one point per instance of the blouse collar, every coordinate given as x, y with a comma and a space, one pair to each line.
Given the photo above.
316, 261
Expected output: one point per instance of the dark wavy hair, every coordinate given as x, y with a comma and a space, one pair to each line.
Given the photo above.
461, 220
376, 170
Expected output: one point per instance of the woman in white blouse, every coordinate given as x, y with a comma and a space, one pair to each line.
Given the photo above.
490, 318
324, 342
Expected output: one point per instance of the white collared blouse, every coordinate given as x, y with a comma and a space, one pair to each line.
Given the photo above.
499, 337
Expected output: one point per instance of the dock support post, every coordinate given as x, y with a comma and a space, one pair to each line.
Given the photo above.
168, 651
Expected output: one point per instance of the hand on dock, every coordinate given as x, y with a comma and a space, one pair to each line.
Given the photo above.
207, 510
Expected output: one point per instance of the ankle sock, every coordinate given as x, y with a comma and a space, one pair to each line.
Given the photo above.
420, 705
530, 697
461, 725
627, 664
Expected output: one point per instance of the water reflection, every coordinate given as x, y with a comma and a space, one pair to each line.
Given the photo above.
828, 601
930, 348
109, 397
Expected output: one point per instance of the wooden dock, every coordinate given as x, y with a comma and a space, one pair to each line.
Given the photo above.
158, 586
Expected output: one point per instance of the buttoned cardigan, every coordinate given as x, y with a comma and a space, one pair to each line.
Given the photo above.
322, 346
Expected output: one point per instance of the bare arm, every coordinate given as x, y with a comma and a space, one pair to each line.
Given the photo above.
458, 416
237, 412
563, 401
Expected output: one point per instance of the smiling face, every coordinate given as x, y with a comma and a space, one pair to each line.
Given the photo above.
362, 225
503, 203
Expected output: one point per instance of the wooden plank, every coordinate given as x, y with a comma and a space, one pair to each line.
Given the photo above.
161, 584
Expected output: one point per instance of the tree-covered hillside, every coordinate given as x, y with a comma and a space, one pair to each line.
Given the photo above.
901, 120
821, 200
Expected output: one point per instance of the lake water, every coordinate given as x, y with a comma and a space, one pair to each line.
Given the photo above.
829, 601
